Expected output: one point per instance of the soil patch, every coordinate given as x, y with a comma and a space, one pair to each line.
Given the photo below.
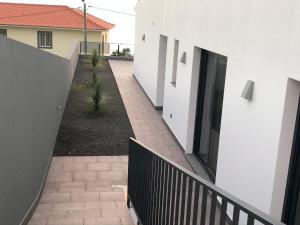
84, 133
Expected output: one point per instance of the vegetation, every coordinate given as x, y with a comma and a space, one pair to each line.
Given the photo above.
95, 59
126, 52
94, 79
97, 96
95, 84
93, 87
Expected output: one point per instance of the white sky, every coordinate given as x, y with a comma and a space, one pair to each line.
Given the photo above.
124, 29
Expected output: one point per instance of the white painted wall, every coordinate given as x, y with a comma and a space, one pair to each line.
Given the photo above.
146, 67
262, 42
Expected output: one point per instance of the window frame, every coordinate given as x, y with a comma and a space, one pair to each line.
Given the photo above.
38, 39
3, 32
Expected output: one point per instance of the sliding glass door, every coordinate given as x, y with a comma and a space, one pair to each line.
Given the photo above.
291, 211
209, 109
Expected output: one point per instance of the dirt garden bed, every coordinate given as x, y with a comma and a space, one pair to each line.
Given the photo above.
85, 133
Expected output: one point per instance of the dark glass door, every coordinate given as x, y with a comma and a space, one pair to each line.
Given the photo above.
209, 109
291, 213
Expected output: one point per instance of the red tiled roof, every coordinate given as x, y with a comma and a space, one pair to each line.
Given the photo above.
53, 16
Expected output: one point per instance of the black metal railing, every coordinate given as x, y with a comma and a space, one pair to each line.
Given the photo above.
107, 48
162, 192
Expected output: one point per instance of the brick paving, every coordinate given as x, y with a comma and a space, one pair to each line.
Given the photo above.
146, 122
84, 191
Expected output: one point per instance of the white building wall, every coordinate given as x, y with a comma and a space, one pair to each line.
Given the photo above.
262, 42
146, 67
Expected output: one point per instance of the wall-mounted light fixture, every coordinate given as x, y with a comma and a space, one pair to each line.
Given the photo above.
183, 58
144, 37
248, 90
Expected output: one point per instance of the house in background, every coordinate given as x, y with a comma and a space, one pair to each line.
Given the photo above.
50, 27
195, 60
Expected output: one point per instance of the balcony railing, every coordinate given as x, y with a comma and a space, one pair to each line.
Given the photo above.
162, 192
108, 49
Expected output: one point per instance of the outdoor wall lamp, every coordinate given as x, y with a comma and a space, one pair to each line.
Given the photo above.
144, 37
183, 58
58, 107
248, 90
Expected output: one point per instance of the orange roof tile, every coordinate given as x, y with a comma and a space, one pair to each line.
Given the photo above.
53, 16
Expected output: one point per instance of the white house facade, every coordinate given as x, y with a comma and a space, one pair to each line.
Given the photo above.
194, 59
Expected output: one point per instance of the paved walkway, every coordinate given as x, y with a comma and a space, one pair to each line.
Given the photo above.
148, 126
146, 122
91, 190
84, 191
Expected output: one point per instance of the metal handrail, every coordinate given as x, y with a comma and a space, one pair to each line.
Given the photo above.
112, 43
159, 190
105, 48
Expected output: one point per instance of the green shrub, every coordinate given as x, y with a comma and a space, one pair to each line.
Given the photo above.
114, 53
95, 59
92, 81
97, 96
126, 52
95, 84
95, 91
94, 78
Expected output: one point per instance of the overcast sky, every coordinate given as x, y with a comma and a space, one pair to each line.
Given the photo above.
124, 29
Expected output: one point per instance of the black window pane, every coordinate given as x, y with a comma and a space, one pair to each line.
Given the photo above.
209, 109
3, 32
49, 40
41, 39
218, 96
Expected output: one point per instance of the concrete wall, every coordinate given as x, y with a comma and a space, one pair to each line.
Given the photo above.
61, 38
32, 84
262, 44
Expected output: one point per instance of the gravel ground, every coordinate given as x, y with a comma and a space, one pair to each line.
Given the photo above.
85, 133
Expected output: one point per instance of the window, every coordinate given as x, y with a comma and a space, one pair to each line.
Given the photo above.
175, 59
3, 32
44, 39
